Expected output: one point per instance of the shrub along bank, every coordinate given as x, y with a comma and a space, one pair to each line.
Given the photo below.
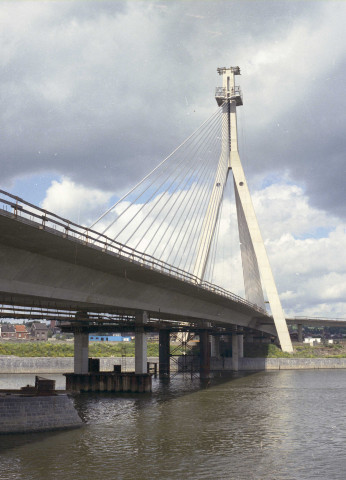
120, 349
48, 349
300, 351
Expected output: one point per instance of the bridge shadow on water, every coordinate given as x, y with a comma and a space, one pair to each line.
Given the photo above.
106, 408
166, 389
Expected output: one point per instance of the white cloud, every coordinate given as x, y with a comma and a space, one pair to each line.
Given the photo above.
104, 90
283, 208
121, 84
310, 270
287, 70
75, 202
305, 246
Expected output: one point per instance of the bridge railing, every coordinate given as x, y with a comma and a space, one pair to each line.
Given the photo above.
61, 315
18, 208
302, 318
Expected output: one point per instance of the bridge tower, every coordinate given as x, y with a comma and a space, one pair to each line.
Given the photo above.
255, 263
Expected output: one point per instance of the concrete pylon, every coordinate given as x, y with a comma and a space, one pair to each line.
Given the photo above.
141, 343
81, 352
235, 352
256, 267
164, 352
240, 345
215, 346
204, 352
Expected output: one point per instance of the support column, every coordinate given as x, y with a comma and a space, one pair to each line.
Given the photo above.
300, 333
204, 352
240, 345
249, 338
81, 352
164, 352
235, 352
215, 346
141, 343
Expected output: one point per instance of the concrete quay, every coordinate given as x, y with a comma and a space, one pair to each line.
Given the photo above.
108, 382
248, 364
23, 414
41, 365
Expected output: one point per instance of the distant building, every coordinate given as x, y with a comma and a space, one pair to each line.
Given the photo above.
21, 332
312, 340
108, 338
54, 328
8, 331
39, 331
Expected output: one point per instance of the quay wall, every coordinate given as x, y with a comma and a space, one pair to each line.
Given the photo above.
20, 414
279, 363
38, 365
41, 365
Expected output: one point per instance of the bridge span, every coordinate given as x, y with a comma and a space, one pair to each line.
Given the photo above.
49, 262
154, 260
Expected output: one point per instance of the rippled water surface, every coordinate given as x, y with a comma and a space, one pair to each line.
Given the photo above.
267, 425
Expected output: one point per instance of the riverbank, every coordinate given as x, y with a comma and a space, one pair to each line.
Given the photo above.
248, 364
41, 365
22, 414
47, 365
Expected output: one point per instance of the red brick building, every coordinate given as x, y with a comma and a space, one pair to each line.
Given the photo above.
21, 332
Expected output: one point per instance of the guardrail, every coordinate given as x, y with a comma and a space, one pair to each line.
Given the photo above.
221, 92
24, 211
322, 319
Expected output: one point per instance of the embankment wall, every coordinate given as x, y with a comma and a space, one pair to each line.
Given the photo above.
41, 365
35, 414
37, 365
279, 363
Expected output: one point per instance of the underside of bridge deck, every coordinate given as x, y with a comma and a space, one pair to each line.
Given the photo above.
42, 268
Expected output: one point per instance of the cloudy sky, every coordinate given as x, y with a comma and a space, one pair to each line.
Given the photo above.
94, 94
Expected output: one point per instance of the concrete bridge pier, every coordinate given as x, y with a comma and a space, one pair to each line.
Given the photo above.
237, 349
89, 378
240, 345
81, 352
300, 333
204, 352
141, 343
215, 346
235, 352
164, 353
249, 338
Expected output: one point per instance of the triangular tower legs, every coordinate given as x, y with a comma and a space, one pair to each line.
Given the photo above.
252, 248
252, 279
255, 261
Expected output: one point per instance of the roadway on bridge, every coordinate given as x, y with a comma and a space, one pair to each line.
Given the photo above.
40, 266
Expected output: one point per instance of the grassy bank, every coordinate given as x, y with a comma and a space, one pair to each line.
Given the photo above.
300, 351
102, 349
48, 349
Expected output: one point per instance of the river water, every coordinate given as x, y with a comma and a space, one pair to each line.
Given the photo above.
267, 425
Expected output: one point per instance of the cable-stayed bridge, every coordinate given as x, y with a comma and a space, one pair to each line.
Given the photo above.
49, 262
152, 254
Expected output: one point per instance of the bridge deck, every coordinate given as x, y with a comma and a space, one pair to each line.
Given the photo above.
25, 243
